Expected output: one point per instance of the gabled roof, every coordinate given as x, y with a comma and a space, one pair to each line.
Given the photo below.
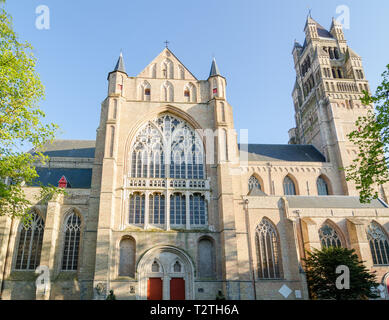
284, 152
165, 54
70, 148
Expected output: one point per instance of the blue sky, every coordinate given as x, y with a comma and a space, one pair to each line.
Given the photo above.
251, 40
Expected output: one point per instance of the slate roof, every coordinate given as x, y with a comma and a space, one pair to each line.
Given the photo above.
284, 152
323, 32
120, 64
346, 202
71, 148
77, 178
214, 69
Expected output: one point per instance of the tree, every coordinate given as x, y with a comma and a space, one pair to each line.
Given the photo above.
21, 119
370, 168
321, 275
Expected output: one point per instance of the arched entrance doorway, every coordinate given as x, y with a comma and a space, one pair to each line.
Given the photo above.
165, 273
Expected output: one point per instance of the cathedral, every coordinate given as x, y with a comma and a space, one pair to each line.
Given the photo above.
167, 204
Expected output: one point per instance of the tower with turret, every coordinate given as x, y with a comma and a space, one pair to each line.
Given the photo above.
330, 82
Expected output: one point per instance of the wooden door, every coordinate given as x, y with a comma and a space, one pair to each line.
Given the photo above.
177, 289
154, 289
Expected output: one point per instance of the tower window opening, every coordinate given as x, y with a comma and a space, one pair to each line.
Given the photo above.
147, 92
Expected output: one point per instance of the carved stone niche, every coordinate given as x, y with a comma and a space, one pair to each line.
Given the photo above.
100, 291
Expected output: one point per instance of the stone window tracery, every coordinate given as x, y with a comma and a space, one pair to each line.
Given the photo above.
137, 208
71, 242
268, 251
329, 237
177, 209
30, 243
167, 158
379, 244
254, 183
156, 209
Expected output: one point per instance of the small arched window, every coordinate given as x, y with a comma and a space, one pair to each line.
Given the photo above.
254, 183
329, 237
167, 92
379, 244
177, 267
289, 187
155, 266
268, 251
127, 257
144, 91
30, 243
322, 187
206, 258
71, 242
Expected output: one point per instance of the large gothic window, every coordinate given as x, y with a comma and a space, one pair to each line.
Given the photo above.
157, 209
167, 155
167, 136
137, 208
268, 251
289, 187
322, 187
329, 237
379, 244
254, 183
177, 209
71, 242
30, 243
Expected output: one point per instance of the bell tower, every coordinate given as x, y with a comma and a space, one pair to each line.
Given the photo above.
329, 84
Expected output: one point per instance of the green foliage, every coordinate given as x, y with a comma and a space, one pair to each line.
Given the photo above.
321, 275
21, 124
370, 168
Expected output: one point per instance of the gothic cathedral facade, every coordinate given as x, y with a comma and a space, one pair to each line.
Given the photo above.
166, 204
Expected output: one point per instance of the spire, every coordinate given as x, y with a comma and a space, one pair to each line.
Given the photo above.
310, 20
297, 44
214, 69
120, 64
335, 23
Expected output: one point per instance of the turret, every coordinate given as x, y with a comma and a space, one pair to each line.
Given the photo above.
310, 29
116, 78
336, 30
217, 83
